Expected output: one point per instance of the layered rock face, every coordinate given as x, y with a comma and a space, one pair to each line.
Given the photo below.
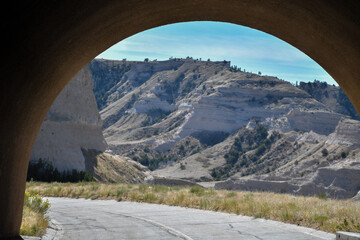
320, 122
346, 133
309, 169
339, 182
73, 122
182, 118
185, 97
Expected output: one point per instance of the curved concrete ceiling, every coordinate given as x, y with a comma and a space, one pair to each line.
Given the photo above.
47, 43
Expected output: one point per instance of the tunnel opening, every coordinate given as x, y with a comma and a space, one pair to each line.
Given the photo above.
320, 35
152, 94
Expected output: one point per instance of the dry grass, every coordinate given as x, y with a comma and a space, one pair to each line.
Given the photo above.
107, 168
314, 212
34, 222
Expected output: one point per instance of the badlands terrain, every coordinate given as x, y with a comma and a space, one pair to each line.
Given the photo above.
205, 122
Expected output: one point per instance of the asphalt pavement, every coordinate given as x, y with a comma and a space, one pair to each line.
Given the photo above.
108, 219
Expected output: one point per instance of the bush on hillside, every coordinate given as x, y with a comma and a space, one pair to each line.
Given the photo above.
325, 152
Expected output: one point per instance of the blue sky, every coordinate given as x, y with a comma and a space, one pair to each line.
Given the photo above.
245, 47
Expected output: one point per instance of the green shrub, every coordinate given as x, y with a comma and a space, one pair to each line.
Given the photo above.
36, 203
160, 188
197, 190
45, 172
321, 219
120, 192
322, 196
105, 77
149, 197
143, 187
325, 152
260, 150
231, 194
182, 166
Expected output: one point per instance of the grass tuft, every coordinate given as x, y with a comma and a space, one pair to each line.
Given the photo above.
34, 222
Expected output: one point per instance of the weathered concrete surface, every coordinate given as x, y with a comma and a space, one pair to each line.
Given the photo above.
97, 219
347, 236
47, 43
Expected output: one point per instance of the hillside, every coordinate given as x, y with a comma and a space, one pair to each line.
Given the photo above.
308, 164
72, 123
333, 97
158, 104
204, 121
71, 139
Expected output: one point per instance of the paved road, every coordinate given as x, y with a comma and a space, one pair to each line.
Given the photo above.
96, 219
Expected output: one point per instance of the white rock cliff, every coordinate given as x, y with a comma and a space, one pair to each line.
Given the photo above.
73, 122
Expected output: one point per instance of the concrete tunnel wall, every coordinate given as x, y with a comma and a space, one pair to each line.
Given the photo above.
47, 42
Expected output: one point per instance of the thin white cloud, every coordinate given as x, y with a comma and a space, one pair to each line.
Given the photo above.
223, 47
247, 48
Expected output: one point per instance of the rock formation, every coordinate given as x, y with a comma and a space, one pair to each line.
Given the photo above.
310, 169
183, 116
186, 97
72, 123
346, 133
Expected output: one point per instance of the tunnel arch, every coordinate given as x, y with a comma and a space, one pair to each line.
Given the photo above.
47, 43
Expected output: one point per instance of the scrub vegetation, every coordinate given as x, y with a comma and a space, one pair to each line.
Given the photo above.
316, 212
34, 221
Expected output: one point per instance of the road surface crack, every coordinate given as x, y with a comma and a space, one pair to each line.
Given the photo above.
168, 229
248, 234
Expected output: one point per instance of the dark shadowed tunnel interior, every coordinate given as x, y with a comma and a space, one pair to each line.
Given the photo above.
47, 42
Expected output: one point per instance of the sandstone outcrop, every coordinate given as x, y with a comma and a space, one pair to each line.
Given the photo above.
73, 122
321, 122
346, 133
